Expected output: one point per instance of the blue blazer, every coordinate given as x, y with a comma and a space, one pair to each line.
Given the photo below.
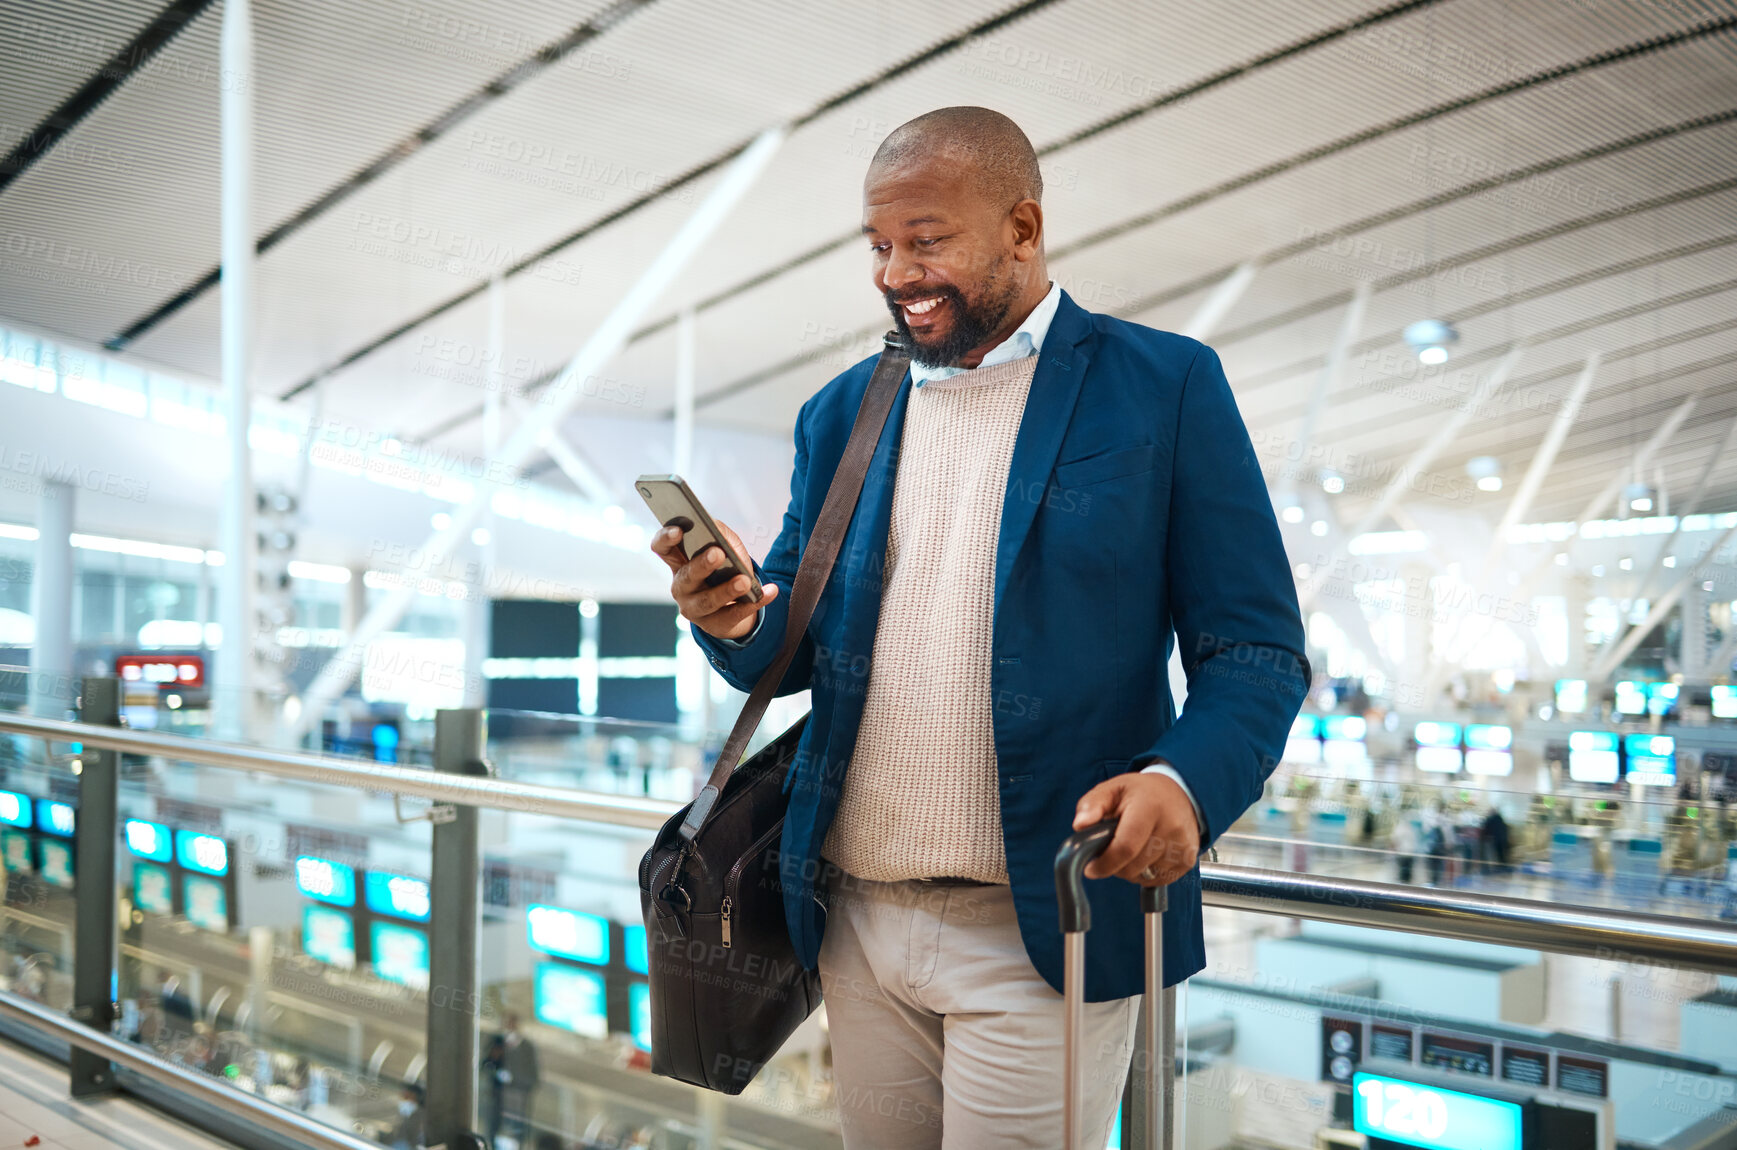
1135, 510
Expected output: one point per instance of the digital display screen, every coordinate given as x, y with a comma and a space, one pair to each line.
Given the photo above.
1390, 1042
1571, 696
1724, 702
329, 935
57, 866
149, 840
400, 954
56, 818
15, 851
1588, 1076
633, 944
568, 933
1434, 734
1489, 763
207, 903
570, 998
1489, 737
1306, 727
206, 854
1433, 1118
1465, 1055
1661, 698
639, 1014
326, 881
1348, 727
1652, 760
15, 810
1592, 756
152, 890
397, 895
1302, 750
1440, 760
1631, 698
1528, 1067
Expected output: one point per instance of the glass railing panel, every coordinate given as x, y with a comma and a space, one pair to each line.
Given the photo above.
1301, 1034
38, 804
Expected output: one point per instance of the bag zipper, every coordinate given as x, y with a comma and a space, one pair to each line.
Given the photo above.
732, 879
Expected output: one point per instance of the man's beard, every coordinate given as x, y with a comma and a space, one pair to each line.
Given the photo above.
972, 325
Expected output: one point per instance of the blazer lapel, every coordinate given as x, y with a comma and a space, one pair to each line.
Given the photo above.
1061, 368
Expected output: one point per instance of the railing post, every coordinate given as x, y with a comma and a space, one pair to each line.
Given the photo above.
95, 909
453, 994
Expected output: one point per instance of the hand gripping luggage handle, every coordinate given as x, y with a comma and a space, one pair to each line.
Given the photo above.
1076, 851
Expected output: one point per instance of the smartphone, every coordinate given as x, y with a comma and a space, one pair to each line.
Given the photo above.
675, 506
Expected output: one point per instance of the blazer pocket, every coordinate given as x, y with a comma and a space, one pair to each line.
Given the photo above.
1101, 468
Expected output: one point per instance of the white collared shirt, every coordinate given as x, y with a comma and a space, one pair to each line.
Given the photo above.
1026, 340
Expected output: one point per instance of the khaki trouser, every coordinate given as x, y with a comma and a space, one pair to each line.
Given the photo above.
943, 1035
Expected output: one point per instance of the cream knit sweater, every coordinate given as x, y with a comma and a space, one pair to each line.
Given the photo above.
921, 798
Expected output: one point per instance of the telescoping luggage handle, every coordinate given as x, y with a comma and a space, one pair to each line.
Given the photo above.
1076, 851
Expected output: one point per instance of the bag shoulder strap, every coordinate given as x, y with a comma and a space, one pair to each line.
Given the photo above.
814, 569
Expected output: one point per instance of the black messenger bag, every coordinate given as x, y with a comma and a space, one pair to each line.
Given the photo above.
726, 986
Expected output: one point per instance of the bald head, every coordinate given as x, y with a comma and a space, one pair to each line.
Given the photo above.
988, 148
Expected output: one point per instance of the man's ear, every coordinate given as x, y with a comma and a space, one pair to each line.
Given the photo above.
1027, 221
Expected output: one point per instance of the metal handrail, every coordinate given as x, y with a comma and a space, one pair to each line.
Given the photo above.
1622, 936
468, 790
291, 1124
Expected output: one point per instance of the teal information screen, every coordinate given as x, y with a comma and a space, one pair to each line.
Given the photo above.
1414, 1114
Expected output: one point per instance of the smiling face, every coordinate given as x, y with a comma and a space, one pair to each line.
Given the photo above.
959, 269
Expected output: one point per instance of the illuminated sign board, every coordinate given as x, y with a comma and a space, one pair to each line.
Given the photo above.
1652, 760
1489, 737
639, 1017
161, 670
1306, 727
398, 895
568, 933
1661, 698
1592, 756
57, 864
1631, 698
326, 881
570, 998
633, 944
56, 818
400, 954
206, 854
1724, 702
206, 902
1434, 734
1439, 760
15, 851
149, 840
329, 936
152, 889
15, 809
1348, 727
1571, 696
1433, 1118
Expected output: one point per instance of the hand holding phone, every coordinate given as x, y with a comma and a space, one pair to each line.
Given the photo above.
714, 583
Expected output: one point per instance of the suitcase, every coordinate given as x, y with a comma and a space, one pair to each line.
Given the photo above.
1154, 1062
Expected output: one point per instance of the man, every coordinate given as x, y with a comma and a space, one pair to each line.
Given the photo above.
516, 1079
1054, 494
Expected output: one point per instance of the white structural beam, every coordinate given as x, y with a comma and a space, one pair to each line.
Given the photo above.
576, 467
1527, 492
1219, 301
232, 693
1668, 544
564, 393
478, 611
1327, 381
1613, 657
1421, 459
682, 453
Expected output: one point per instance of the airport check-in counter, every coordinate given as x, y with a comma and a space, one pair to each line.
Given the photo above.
279, 938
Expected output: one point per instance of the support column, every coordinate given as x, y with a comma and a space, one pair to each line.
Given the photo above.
232, 691
459, 741
1576, 594
51, 603
478, 615
1692, 633
1418, 636
94, 910
683, 454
